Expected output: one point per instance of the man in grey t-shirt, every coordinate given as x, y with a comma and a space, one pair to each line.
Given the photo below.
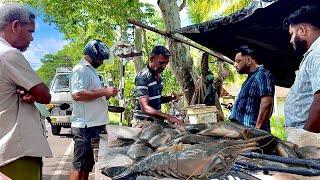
302, 107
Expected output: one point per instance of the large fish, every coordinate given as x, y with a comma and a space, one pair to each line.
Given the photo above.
151, 131
189, 138
308, 152
160, 140
226, 130
119, 142
113, 171
139, 151
201, 160
195, 128
285, 150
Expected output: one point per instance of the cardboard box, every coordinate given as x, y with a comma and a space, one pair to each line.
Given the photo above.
202, 114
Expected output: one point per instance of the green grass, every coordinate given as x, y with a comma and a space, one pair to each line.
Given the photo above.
277, 127
114, 119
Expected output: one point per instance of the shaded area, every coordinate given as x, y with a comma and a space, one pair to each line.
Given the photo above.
260, 25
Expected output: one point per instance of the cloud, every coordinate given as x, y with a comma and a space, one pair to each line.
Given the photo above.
33, 58
47, 40
39, 48
51, 44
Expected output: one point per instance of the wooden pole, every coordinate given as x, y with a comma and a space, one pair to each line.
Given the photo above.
179, 39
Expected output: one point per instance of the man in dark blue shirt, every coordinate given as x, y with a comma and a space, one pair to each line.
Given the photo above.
148, 90
254, 104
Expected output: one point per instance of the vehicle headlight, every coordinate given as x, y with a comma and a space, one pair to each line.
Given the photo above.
50, 106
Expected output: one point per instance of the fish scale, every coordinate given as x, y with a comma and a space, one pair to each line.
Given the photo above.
179, 162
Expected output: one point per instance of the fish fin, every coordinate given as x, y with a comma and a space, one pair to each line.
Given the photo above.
123, 175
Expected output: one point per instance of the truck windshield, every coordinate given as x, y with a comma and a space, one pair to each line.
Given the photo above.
61, 83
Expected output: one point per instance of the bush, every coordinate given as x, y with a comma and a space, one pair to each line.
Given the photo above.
277, 127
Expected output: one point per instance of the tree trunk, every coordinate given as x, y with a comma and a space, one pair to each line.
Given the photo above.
205, 65
181, 63
138, 61
145, 42
218, 82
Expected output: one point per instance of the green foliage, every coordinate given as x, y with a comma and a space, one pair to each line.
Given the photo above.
80, 21
277, 127
170, 85
236, 5
154, 38
67, 57
204, 10
51, 62
83, 20
114, 118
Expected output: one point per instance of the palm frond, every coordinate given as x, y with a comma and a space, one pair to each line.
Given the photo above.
204, 10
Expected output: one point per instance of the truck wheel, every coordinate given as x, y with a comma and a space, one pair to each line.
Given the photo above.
55, 129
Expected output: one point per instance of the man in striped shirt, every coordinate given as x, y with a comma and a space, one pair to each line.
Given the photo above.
302, 105
254, 104
149, 86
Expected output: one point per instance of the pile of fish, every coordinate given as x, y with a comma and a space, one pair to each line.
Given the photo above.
199, 151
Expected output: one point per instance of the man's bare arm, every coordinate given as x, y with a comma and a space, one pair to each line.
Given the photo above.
90, 95
313, 121
146, 108
265, 111
41, 93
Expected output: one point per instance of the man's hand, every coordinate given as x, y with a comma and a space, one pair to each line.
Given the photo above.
174, 97
25, 95
111, 91
174, 120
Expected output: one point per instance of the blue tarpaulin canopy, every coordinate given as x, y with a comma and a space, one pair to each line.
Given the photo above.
259, 25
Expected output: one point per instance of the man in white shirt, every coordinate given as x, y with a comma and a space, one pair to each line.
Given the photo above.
89, 115
302, 106
22, 139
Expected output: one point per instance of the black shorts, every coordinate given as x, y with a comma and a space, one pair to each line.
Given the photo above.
83, 153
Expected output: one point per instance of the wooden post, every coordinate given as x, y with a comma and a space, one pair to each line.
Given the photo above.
179, 39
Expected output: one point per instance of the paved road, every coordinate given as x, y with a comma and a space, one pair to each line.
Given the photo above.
58, 167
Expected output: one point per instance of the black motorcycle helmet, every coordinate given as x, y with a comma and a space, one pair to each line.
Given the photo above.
97, 51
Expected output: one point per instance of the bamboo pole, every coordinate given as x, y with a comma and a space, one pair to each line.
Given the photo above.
220, 56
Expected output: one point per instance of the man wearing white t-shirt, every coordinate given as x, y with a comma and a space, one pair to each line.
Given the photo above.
89, 115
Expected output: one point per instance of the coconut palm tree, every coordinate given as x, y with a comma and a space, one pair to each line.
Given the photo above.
204, 10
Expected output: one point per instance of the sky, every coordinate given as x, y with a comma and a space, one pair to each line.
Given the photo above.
48, 40
183, 14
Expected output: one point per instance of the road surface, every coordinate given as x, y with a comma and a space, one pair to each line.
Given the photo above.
58, 167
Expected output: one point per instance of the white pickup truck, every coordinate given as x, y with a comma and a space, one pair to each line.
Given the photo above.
60, 107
